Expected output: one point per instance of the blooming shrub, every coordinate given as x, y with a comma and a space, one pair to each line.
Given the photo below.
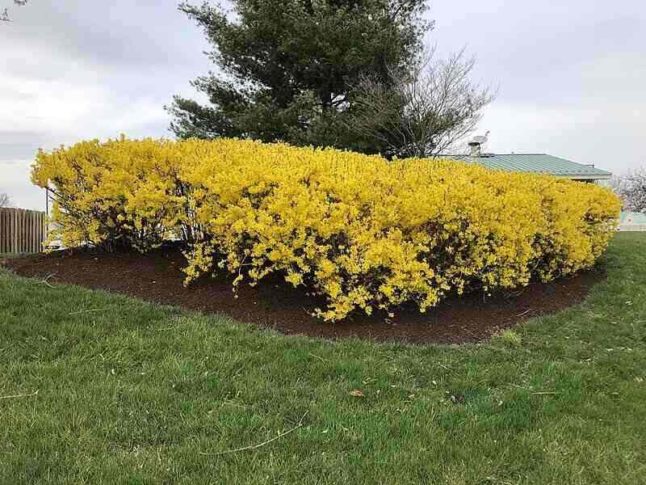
363, 232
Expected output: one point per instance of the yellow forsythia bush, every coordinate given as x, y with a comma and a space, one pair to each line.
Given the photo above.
364, 232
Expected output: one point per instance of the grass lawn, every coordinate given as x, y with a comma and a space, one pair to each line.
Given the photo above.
129, 392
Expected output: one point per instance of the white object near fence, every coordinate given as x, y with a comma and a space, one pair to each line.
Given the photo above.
22, 231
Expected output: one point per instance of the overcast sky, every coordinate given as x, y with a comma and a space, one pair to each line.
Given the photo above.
571, 75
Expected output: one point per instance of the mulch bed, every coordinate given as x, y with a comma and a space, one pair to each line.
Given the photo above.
157, 277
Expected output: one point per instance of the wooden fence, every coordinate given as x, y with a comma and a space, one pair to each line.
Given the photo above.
22, 231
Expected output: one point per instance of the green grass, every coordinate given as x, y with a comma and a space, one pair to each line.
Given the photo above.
130, 392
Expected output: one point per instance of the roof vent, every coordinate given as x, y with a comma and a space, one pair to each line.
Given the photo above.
475, 145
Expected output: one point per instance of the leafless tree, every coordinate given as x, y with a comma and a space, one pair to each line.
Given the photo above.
424, 112
5, 201
632, 189
4, 14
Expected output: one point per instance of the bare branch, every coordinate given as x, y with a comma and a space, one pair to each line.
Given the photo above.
4, 16
14, 396
423, 112
259, 445
5, 201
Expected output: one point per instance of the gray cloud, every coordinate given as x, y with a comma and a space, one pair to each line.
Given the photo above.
20, 144
118, 33
571, 74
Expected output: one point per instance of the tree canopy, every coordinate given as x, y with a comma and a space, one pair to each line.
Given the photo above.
632, 189
287, 70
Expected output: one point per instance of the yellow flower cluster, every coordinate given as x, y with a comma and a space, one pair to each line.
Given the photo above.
364, 232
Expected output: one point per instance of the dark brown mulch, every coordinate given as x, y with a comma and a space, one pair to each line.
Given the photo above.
157, 277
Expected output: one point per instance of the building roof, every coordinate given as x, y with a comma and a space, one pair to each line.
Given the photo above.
537, 163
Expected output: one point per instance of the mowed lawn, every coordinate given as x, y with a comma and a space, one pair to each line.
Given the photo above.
99, 388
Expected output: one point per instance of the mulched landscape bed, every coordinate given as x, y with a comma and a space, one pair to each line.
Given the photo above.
157, 277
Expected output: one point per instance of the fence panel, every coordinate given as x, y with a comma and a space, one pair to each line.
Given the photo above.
632, 227
22, 231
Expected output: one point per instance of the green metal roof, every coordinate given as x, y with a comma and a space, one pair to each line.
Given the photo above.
538, 163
